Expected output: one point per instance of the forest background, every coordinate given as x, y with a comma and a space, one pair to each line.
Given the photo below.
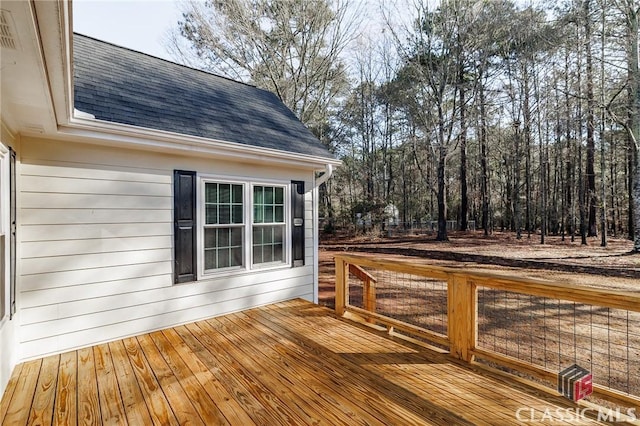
497, 114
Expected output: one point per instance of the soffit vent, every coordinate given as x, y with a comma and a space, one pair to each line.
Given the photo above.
7, 40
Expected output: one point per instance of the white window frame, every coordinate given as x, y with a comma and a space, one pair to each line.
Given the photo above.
248, 265
286, 192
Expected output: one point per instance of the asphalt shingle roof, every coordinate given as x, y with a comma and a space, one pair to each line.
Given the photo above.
120, 85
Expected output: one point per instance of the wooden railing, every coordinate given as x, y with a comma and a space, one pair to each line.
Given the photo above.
461, 337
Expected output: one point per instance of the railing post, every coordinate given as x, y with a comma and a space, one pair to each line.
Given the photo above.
462, 316
368, 288
341, 285
369, 293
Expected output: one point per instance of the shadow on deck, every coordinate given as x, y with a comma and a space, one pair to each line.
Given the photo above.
288, 363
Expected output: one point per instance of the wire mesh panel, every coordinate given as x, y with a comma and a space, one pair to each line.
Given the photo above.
528, 327
555, 334
409, 298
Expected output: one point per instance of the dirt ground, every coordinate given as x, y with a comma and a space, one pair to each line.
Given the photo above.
613, 267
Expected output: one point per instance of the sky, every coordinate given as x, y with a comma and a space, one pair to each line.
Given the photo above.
137, 24
140, 24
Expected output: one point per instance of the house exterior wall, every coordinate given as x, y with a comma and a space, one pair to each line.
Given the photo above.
95, 236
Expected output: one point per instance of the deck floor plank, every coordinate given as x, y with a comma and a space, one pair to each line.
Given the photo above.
65, 409
109, 397
298, 387
230, 407
321, 383
248, 397
247, 379
354, 399
236, 347
136, 412
8, 393
287, 363
20, 406
87, 389
206, 408
407, 408
45, 393
157, 404
180, 403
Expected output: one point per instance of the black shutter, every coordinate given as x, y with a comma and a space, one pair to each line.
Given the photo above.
184, 225
13, 230
297, 234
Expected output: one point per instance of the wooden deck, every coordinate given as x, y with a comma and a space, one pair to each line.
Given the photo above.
289, 363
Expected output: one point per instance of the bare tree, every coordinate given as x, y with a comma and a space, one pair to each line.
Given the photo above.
631, 9
290, 47
434, 70
631, 12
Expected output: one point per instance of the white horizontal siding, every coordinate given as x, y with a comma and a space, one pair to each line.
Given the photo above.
38, 282
143, 324
75, 316
58, 303
96, 256
31, 200
114, 173
91, 231
43, 265
35, 249
61, 185
40, 216
94, 291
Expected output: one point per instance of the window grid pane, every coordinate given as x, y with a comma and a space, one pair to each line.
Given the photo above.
223, 229
268, 204
223, 204
223, 247
268, 243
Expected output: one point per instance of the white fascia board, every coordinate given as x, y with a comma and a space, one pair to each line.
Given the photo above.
101, 132
52, 23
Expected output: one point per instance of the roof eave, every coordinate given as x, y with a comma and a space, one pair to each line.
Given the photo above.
54, 26
115, 134
76, 126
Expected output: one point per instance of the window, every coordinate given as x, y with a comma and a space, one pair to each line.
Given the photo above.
268, 224
223, 225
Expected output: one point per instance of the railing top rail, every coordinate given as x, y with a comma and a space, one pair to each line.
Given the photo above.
616, 299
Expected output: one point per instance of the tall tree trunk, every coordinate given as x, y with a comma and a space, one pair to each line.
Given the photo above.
570, 172
582, 208
613, 183
603, 173
516, 182
543, 158
484, 179
634, 115
631, 159
581, 200
464, 200
527, 145
590, 169
442, 201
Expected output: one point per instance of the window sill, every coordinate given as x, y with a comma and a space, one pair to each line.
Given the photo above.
237, 272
